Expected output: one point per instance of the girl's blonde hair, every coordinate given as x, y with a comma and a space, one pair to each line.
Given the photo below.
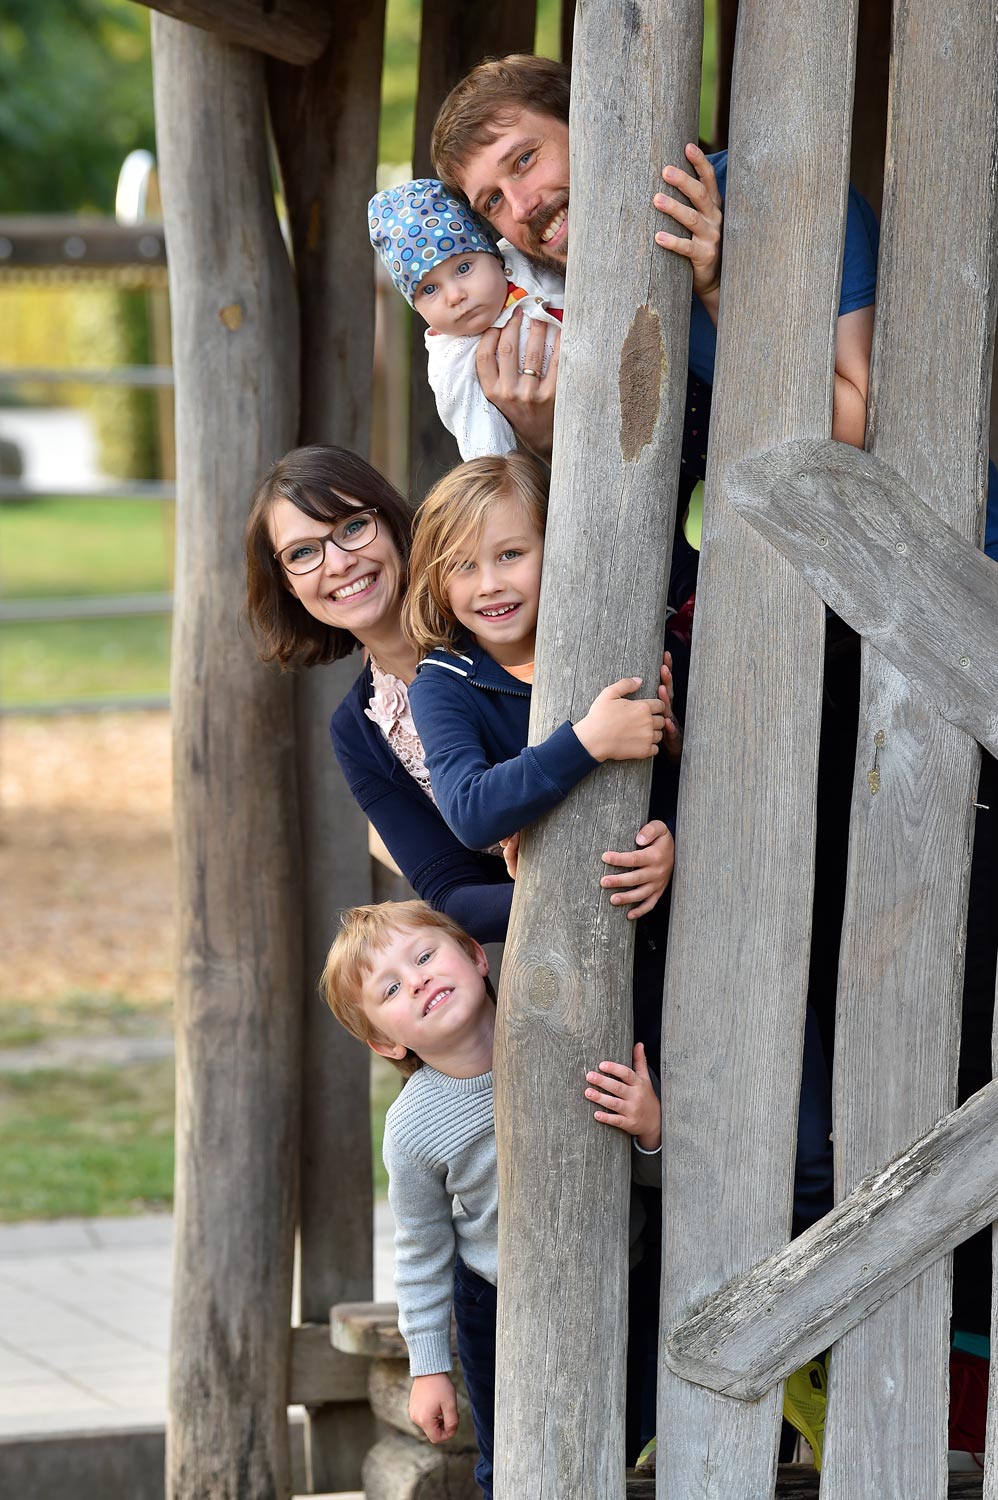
364, 932
447, 526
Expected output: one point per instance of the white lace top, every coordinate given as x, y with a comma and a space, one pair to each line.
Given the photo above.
389, 709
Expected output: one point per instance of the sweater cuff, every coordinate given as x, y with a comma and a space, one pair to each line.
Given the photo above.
429, 1353
563, 758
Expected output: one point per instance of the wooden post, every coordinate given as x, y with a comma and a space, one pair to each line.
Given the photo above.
901, 966
325, 121
235, 808
741, 907
455, 35
295, 30
566, 996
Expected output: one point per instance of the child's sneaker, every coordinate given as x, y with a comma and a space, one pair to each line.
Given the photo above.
804, 1401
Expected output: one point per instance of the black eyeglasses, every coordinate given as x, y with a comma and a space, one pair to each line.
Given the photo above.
350, 534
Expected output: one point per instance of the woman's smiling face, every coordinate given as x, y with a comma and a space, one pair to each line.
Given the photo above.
358, 591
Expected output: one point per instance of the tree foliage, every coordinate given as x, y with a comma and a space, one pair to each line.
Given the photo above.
75, 98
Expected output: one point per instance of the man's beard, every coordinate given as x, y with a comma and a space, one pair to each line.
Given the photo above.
534, 246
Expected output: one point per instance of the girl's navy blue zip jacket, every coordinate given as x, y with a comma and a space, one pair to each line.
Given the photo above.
472, 888
473, 718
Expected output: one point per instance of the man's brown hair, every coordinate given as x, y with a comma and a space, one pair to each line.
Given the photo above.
365, 931
482, 105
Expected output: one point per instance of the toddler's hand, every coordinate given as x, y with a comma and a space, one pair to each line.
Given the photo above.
628, 1099
646, 870
511, 853
433, 1406
618, 727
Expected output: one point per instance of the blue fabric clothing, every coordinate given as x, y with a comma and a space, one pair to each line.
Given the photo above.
473, 720
859, 288
475, 1306
859, 272
472, 888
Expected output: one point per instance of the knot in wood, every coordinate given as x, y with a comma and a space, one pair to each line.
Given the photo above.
543, 988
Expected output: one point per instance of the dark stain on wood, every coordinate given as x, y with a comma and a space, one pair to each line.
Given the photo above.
642, 368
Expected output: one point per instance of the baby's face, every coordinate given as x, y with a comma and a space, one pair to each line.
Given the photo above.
463, 295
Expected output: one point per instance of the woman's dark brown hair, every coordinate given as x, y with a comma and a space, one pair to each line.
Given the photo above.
326, 484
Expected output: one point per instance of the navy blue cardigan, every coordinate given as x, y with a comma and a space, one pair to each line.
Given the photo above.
472, 888
473, 719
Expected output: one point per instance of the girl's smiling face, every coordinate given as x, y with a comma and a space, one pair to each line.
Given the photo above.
463, 295
494, 590
357, 591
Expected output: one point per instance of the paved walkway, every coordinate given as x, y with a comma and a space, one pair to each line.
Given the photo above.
85, 1321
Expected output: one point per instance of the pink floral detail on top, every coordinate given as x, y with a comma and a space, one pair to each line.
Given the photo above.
389, 709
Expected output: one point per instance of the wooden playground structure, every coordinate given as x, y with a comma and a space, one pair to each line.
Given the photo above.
272, 1127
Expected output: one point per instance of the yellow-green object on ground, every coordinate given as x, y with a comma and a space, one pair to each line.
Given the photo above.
804, 1401
646, 1458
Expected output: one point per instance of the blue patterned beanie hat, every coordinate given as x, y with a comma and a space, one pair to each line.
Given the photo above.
418, 225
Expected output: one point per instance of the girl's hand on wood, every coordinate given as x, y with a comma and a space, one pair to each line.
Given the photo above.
702, 216
627, 1099
619, 727
433, 1406
526, 401
511, 854
645, 870
666, 692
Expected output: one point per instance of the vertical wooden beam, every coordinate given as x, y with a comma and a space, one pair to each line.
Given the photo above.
741, 906
901, 969
454, 37
235, 350
325, 119
566, 993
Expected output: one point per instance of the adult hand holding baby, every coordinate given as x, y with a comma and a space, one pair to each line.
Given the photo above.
525, 400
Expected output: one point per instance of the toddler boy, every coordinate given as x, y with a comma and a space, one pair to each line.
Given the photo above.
410, 983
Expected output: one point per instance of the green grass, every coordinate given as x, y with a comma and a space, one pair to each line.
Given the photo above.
52, 661
29, 1023
57, 549
86, 1143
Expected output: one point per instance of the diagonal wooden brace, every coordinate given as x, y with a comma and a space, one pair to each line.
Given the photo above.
893, 569
760, 1327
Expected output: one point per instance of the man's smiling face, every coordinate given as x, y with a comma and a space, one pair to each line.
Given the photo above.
519, 182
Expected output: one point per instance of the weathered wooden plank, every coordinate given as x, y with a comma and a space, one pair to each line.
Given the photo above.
325, 119
876, 553
76, 240
295, 30
902, 948
738, 961
370, 1328
320, 1373
798, 1482
455, 35
894, 1224
235, 807
566, 993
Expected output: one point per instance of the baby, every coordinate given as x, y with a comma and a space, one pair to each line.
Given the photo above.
446, 262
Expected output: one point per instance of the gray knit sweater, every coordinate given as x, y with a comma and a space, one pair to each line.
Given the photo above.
440, 1153
443, 1186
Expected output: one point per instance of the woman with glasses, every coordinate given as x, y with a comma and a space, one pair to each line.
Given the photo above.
327, 550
